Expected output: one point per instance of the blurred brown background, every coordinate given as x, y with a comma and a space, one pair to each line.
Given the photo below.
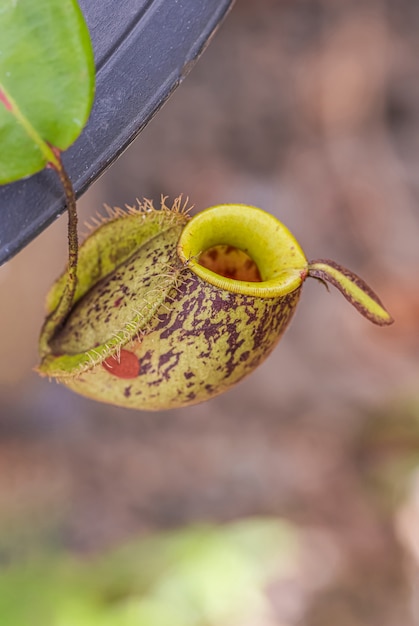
310, 110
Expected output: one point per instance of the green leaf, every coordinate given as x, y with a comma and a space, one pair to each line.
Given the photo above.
46, 82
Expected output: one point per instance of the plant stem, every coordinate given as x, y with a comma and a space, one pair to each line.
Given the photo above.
73, 243
58, 316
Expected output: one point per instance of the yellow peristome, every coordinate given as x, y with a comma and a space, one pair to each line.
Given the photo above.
277, 254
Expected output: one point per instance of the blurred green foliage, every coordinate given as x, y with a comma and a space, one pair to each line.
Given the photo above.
199, 575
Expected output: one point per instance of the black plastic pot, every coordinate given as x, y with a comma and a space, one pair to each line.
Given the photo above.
143, 50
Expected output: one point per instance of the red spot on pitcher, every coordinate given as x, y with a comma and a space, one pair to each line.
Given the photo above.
126, 365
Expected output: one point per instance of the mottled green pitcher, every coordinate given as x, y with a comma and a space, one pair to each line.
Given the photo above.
172, 310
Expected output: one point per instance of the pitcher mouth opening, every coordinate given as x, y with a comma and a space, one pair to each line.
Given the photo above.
243, 249
230, 262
